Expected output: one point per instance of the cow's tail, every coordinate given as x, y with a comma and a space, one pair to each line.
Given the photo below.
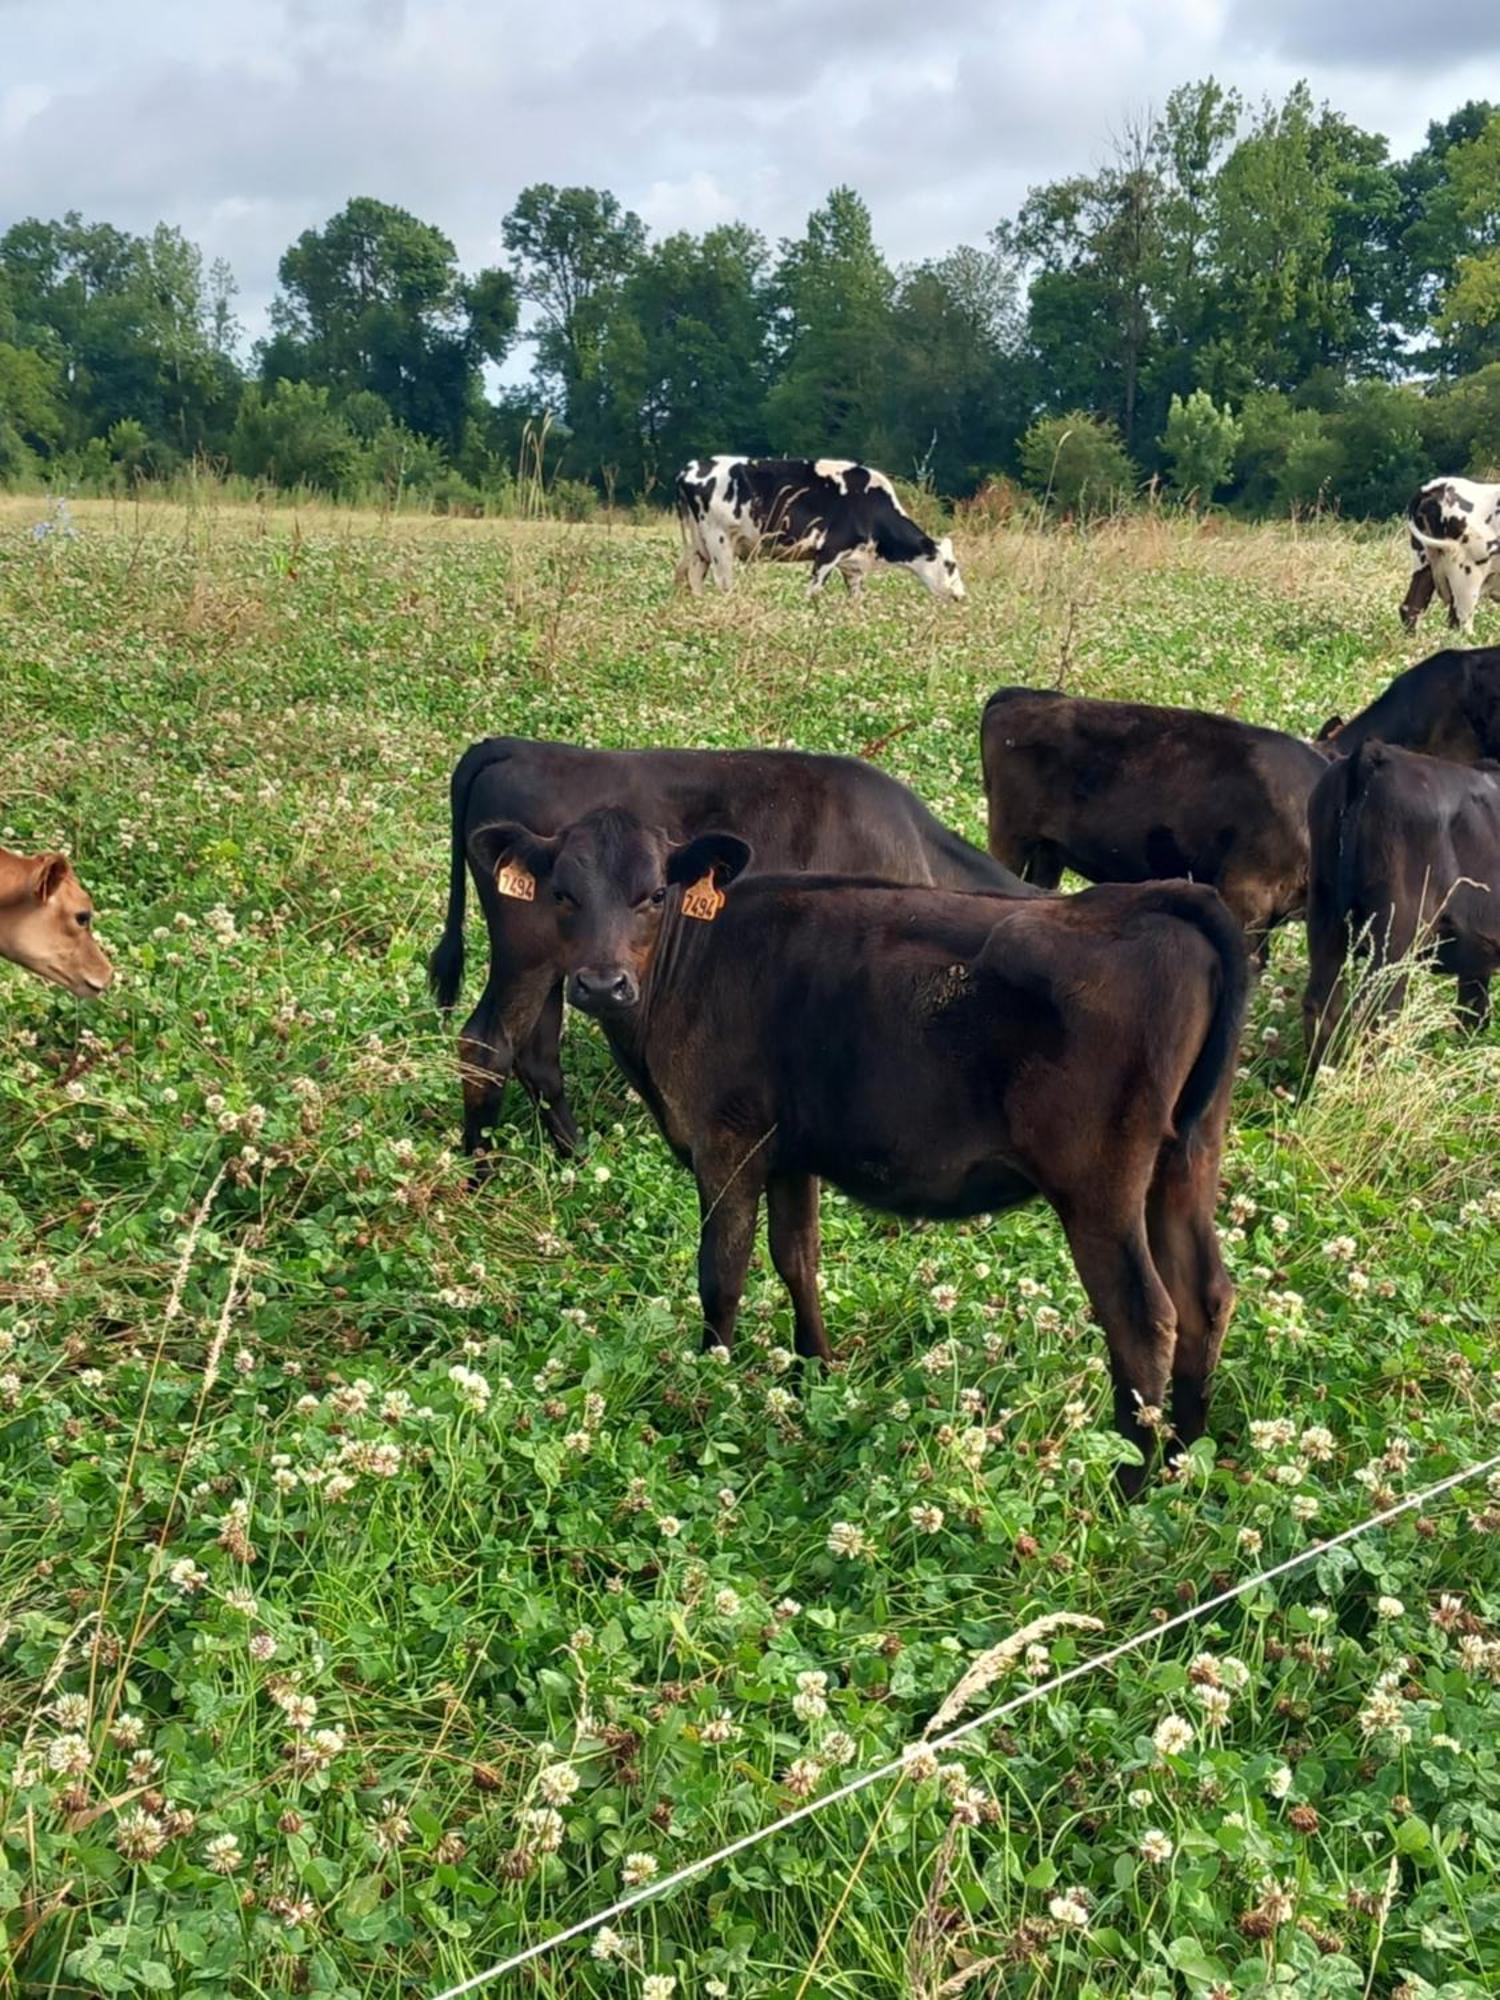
1220, 1048
445, 968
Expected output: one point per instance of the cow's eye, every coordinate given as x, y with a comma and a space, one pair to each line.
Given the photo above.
563, 900
85, 918
658, 897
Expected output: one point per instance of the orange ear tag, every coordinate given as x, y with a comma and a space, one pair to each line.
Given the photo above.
703, 900
511, 879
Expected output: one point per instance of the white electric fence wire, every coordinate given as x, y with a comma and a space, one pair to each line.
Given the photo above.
897, 1765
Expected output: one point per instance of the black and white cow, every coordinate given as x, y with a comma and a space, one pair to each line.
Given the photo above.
827, 511
1455, 540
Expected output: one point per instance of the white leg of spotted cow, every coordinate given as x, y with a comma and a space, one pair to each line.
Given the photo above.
721, 562
1466, 581
821, 573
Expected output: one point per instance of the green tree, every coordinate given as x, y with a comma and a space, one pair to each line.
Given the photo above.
1095, 247
375, 301
1430, 233
1300, 206
1078, 463
956, 391
573, 249
1468, 312
833, 292
684, 359
1199, 445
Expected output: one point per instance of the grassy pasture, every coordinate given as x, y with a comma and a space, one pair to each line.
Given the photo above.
384, 1578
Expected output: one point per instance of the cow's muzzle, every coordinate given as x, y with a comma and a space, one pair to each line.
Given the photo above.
604, 989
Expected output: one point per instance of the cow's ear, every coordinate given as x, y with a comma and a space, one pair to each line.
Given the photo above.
722, 855
1330, 729
48, 872
508, 844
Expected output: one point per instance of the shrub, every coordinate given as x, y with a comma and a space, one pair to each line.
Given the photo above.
1199, 444
1079, 462
294, 437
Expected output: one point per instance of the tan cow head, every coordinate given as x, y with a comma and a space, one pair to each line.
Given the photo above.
46, 924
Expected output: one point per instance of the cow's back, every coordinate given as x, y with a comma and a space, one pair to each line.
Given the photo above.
798, 811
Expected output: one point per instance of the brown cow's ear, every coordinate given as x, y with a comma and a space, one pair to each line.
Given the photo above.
722, 855
1330, 729
49, 871
490, 847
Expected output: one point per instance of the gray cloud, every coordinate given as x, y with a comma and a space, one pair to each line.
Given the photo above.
248, 122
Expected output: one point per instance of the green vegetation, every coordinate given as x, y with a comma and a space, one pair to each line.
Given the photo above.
384, 1572
1335, 311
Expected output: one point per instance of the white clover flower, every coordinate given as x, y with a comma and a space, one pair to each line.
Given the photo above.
727, 1603
1279, 1781
839, 1747
127, 1731
920, 1763
669, 1526
1318, 1444
300, 1710
1173, 1735
607, 1944
472, 1388
944, 1297
187, 1576
844, 1539
261, 1646
69, 1756
802, 1776
780, 1402
1156, 1847
638, 1869
720, 1728
1140, 1799
1389, 1607
71, 1711
558, 1783
541, 1829
926, 1518
222, 1854
1069, 1910
658, 1986
1250, 1540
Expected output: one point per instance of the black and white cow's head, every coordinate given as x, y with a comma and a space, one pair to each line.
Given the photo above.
937, 566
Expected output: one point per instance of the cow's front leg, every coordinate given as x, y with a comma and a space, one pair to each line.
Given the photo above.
728, 1203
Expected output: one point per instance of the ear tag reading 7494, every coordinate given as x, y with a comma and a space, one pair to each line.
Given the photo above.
703, 900
511, 879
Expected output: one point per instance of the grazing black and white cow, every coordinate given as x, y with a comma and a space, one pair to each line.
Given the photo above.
1455, 540
827, 511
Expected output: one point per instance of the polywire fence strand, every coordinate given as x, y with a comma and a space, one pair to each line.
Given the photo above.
650, 1892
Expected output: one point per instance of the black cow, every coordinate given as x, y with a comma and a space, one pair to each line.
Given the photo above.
1120, 791
930, 1053
1406, 857
1447, 705
827, 511
830, 813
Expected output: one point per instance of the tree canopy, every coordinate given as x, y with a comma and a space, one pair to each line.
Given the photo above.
1251, 304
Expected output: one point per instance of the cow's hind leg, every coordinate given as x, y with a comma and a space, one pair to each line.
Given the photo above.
539, 1066
1418, 594
1114, 1262
792, 1225
485, 1057
1185, 1250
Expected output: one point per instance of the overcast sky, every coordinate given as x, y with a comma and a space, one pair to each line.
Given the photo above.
246, 121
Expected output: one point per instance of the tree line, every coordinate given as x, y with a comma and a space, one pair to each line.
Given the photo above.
1255, 305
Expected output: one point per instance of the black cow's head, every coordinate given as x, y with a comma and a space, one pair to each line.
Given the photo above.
607, 880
